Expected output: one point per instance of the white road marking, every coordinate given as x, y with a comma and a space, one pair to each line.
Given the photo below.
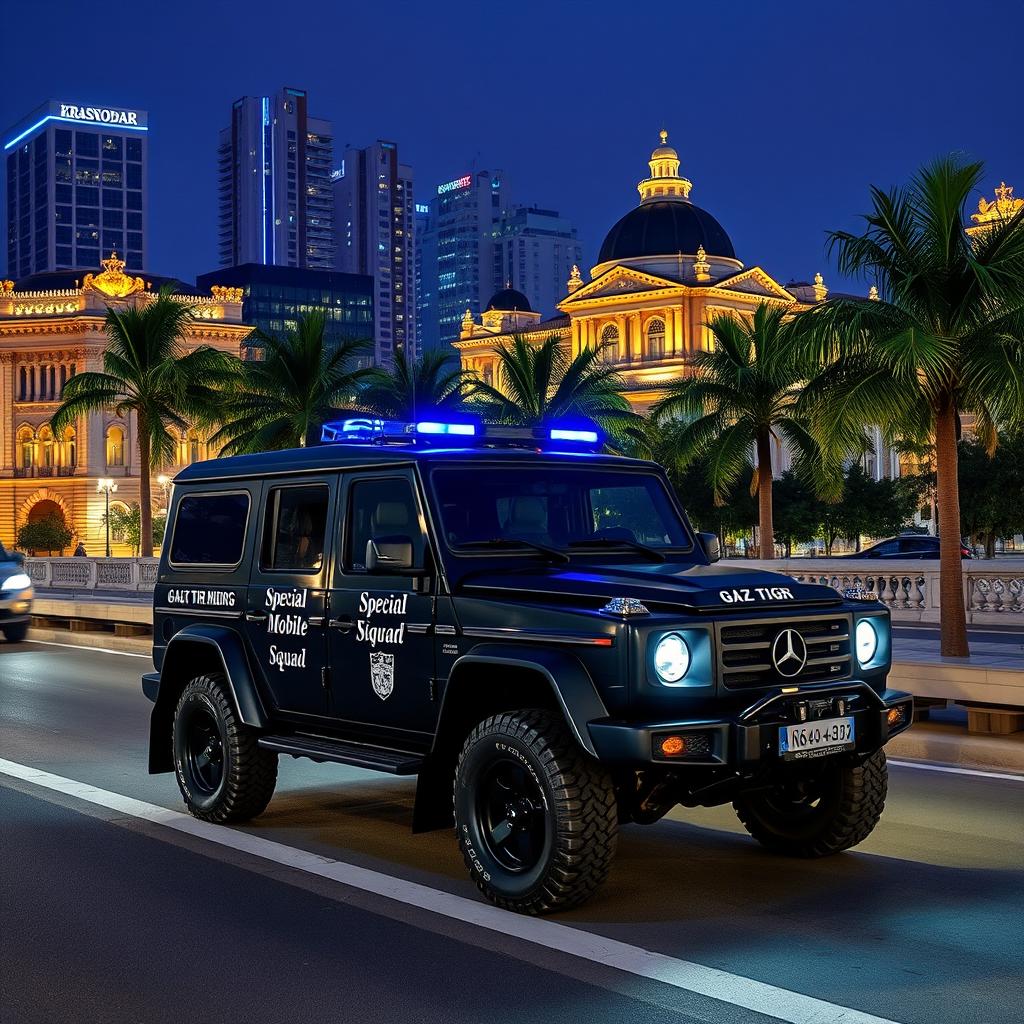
793, 1007
86, 647
927, 766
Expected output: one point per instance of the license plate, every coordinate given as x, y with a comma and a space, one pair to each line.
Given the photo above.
815, 739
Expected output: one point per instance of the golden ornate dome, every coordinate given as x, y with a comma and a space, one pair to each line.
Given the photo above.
665, 182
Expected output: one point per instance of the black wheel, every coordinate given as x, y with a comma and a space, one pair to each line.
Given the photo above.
536, 818
222, 773
16, 632
817, 811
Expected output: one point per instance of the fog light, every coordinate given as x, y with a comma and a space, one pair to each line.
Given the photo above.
896, 716
673, 746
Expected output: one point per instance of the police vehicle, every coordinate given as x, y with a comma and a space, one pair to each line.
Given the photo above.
531, 627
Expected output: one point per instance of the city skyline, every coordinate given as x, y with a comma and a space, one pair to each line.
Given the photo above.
778, 165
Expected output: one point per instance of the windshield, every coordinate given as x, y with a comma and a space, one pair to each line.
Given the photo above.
556, 506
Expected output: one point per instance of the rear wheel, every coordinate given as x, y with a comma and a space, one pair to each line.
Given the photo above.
16, 632
536, 818
821, 811
221, 771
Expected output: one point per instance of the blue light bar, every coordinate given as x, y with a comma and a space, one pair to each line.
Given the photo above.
433, 427
74, 120
579, 436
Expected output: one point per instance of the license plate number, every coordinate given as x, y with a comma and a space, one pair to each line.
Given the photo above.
815, 739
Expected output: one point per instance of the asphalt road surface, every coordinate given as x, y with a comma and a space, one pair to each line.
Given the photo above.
116, 907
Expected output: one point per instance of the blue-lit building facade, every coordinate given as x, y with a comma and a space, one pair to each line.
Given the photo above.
273, 298
459, 269
75, 180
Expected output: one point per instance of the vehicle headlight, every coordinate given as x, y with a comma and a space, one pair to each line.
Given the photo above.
671, 658
19, 581
866, 638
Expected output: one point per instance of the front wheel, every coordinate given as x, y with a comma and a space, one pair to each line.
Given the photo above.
222, 772
536, 818
16, 633
818, 811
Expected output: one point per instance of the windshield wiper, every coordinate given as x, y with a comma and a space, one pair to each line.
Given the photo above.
554, 554
652, 553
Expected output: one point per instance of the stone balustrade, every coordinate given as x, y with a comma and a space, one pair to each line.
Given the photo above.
993, 588
127, 574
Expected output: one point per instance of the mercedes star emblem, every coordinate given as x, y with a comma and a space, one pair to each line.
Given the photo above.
789, 653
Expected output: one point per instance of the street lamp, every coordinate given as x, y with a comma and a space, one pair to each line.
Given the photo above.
106, 487
163, 480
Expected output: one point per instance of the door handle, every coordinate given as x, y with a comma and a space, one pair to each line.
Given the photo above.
316, 620
343, 623
255, 616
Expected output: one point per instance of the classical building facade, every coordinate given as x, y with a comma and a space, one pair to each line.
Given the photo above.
51, 329
663, 271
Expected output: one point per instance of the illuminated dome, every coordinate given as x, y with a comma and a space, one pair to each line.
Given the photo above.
666, 224
510, 300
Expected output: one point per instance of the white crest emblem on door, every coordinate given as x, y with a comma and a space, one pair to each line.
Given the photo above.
382, 673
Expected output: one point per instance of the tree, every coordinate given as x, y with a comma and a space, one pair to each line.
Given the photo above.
945, 338
874, 508
49, 534
990, 490
429, 385
127, 523
280, 400
741, 395
537, 385
797, 511
148, 372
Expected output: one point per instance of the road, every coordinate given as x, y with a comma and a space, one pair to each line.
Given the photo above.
116, 910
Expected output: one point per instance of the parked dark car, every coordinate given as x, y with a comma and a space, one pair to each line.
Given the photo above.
919, 546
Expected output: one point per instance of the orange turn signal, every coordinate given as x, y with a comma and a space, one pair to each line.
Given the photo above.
672, 746
895, 716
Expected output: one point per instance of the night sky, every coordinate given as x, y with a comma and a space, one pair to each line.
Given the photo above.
783, 114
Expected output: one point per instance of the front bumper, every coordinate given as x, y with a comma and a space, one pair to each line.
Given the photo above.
15, 607
750, 738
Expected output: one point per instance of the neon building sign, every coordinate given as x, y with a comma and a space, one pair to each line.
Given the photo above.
452, 186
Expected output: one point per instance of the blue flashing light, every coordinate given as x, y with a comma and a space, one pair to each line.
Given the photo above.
433, 427
579, 436
72, 120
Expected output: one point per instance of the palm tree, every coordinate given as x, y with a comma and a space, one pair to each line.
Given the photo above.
278, 400
148, 372
944, 339
541, 384
741, 394
428, 384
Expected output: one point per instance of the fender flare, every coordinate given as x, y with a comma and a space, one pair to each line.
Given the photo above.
230, 652
569, 680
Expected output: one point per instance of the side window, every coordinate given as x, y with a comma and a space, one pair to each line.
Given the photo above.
381, 508
294, 528
209, 529
890, 547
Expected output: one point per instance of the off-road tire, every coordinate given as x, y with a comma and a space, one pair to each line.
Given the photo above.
851, 804
580, 812
15, 633
249, 773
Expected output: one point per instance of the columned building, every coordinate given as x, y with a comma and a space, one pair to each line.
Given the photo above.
51, 328
663, 271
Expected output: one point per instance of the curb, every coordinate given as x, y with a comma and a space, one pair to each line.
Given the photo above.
953, 746
103, 641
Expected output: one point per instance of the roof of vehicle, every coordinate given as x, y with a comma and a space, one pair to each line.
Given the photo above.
326, 457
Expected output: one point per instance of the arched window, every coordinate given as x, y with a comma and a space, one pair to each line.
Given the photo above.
194, 447
610, 343
119, 513
115, 446
656, 338
26, 448
46, 453
69, 451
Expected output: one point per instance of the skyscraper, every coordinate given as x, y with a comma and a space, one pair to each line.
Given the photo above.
374, 222
274, 179
76, 188
457, 255
535, 251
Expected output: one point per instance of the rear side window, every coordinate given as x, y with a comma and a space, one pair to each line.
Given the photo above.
294, 528
210, 529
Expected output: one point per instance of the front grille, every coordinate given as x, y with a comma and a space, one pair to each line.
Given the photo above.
745, 651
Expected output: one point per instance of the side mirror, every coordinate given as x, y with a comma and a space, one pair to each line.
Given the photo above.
712, 548
389, 554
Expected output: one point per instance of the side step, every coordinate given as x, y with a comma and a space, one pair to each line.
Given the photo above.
360, 755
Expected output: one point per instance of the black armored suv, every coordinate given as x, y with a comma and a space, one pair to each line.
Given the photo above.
531, 627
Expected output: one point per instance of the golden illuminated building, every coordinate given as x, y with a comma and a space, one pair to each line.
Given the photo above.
664, 270
997, 211
52, 327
